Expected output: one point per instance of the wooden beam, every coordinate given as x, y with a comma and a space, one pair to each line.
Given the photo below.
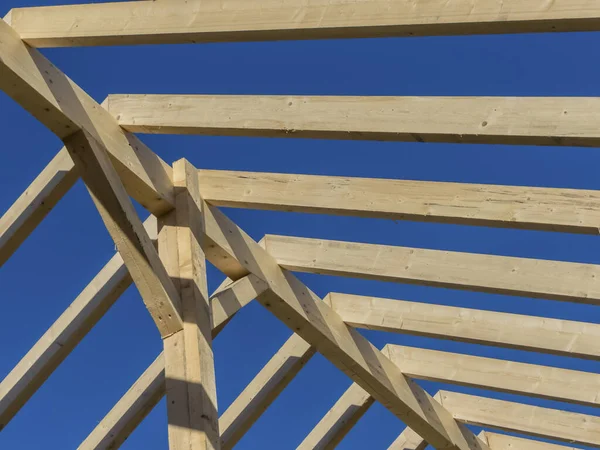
148, 390
504, 442
254, 20
568, 210
530, 380
538, 334
56, 101
123, 224
64, 335
547, 423
569, 121
236, 254
189, 362
35, 203
129, 412
552, 280
409, 440
339, 420
247, 408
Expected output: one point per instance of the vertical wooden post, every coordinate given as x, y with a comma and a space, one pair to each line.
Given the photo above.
189, 365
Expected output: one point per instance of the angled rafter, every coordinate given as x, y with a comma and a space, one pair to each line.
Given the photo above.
56, 101
539, 334
554, 280
500, 375
130, 410
339, 420
236, 254
409, 440
569, 210
190, 383
547, 423
147, 391
35, 203
124, 225
263, 390
251, 20
62, 337
486, 120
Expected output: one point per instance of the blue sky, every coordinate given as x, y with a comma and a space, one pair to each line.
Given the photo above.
71, 245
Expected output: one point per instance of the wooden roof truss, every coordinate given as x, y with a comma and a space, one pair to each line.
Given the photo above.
165, 255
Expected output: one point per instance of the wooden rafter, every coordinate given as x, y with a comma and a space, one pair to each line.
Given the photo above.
530, 380
568, 210
570, 121
504, 442
547, 423
56, 101
251, 20
537, 334
247, 408
553, 280
409, 440
339, 420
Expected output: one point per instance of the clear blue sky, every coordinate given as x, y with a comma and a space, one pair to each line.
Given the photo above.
71, 245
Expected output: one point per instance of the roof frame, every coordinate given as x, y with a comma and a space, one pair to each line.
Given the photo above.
115, 165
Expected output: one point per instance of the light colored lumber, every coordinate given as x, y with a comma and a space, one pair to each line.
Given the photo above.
236, 254
65, 333
538, 334
570, 121
232, 296
247, 408
35, 203
553, 280
147, 391
133, 407
56, 101
122, 222
504, 442
257, 20
339, 420
409, 440
531, 380
573, 428
189, 362
568, 210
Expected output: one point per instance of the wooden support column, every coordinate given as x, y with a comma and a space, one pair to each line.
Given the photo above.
126, 229
189, 365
